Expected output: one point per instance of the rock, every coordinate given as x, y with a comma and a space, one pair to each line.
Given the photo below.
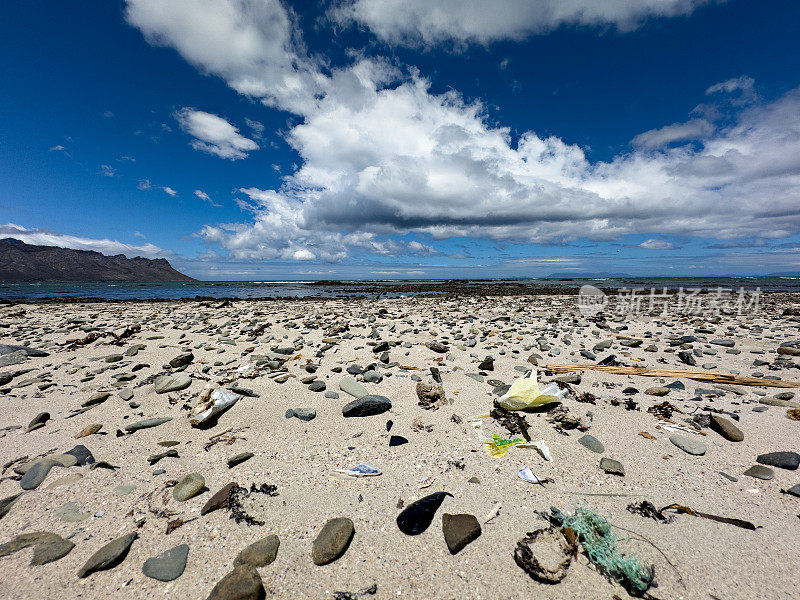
7, 502
50, 548
82, 455
154, 458
72, 513
38, 421
172, 383
430, 395
782, 460
168, 565
189, 486
688, 444
789, 351
260, 553
397, 440
317, 386
350, 386
657, 391
726, 428
146, 424
727, 343
89, 430
612, 467
417, 516
459, 530
66, 480
219, 499
367, 406
778, 402
760, 472
571, 378
181, 360
123, 489
243, 583
239, 459
36, 474
331, 395
437, 347
372, 377
592, 443
794, 490
125, 394
332, 541
305, 414
109, 555
687, 357
486, 365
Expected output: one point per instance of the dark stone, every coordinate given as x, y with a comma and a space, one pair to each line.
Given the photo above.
243, 583
367, 406
397, 440
726, 428
109, 555
332, 541
218, 500
782, 460
417, 516
459, 530
168, 565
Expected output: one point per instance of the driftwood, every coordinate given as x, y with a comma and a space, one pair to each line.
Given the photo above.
712, 376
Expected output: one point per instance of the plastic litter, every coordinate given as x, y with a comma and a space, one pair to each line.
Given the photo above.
500, 446
212, 404
541, 448
526, 474
360, 470
525, 393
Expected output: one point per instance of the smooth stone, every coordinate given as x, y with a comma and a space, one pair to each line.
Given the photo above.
7, 502
38, 421
794, 490
37, 473
172, 383
760, 472
259, 553
372, 377
331, 395
66, 480
154, 458
168, 565
332, 541
124, 489
109, 555
72, 513
243, 583
239, 459
611, 466
782, 460
726, 343
460, 530
350, 386
181, 360
317, 386
726, 428
189, 486
219, 499
82, 455
89, 430
49, 549
592, 443
146, 424
125, 394
305, 414
397, 440
417, 516
367, 406
657, 391
688, 444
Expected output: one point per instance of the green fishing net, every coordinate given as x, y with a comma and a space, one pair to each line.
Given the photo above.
601, 545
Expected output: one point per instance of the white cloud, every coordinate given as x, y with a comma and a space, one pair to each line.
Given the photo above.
203, 196
214, 134
169, 190
656, 245
256, 126
58, 148
42, 237
426, 23
743, 84
144, 185
108, 170
677, 132
381, 155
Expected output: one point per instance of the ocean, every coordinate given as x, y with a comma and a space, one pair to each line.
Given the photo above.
372, 288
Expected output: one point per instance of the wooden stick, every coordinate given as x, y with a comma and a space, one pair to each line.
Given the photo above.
698, 375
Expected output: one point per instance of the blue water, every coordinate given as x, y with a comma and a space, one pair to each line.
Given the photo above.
299, 289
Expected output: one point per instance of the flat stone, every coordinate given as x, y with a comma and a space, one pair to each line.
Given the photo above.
727, 343
760, 472
332, 541
7, 502
72, 513
37, 473
794, 490
66, 480
782, 460
688, 444
726, 428
317, 386
154, 458
657, 391
612, 467
82, 455
109, 555
172, 383
243, 583
367, 406
147, 423
181, 360
50, 548
89, 430
592, 443
239, 459
124, 489
259, 553
459, 531
38, 421
167, 566
189, 486
350, 386
305, 414
219, 499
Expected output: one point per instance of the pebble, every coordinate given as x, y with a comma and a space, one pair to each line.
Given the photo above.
37, 473
259, 553
760, 472
167, 566
417, 516
592, 443
782, 460
459, 531
305, 414
350, 386
332, 541
172, 383
243, 583
189, 486
367, 406
688, 444
109, 555
239, 459
726, 428
72, 513
219, 499
611, 466
146, 424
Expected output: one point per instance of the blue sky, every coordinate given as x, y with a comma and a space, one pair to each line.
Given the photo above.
262, 139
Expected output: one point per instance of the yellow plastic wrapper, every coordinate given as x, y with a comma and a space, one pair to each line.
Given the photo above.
525, 393
499, 446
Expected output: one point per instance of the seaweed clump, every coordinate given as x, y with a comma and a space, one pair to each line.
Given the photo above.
238, 494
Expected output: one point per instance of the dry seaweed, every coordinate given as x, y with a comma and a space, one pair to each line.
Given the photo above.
238, 494
514, 422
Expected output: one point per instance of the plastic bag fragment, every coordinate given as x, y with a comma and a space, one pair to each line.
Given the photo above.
525, 393
360, 470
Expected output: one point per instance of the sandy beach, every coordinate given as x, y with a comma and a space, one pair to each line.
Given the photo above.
272, 354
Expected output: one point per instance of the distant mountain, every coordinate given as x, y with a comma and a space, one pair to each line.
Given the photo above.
25, 262
568, 275
785, 274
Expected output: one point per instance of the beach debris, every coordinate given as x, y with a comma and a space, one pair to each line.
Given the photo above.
212, 403
512, 421
237, 498
493, 513
524, 393
360, 470
459, 531
417, 516
526, 474
540, 447
678, 508
431, 396
546, 554
370, 591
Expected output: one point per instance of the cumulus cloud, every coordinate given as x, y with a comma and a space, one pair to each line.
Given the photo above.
144, 185
427, 23
43, 237
742, 90
108, 170
214, 134
677, 132
168, 190
656, 245
382, 156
